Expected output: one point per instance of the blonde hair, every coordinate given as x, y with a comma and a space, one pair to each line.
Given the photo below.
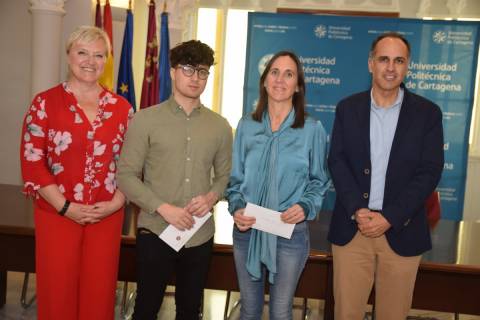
88, 34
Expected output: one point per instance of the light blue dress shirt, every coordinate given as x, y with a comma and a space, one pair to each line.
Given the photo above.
383, 123
276, 170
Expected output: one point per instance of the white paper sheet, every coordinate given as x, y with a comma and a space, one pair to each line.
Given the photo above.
269, 221
176, 238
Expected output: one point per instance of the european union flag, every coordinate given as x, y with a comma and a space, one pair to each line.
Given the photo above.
125, 86
165, 83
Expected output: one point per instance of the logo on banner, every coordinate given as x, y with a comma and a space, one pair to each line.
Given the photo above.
320, 31
262, 63
439, 37
334, 32
464, 38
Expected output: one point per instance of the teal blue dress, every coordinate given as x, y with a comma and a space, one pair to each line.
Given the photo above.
276, 170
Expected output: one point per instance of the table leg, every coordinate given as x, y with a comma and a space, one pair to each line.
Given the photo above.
3, 288
328, 311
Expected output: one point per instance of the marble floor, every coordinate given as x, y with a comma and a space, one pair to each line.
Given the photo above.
213, 307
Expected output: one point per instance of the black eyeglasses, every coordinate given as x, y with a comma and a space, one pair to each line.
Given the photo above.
189, 70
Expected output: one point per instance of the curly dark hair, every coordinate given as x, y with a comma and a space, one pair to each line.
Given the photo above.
192, 52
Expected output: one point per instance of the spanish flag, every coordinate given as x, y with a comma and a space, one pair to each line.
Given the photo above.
107, 78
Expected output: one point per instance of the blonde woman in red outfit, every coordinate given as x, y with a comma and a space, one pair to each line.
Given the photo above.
72, 136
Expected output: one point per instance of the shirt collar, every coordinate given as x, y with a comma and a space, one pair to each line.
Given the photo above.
287, 123
397, 103
176, 108
67, 90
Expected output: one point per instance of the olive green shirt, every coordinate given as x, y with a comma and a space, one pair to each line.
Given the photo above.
176, 153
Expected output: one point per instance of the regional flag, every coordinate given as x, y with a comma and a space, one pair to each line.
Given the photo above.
98, 15
150, 76
164, 69
125, 86
107, 78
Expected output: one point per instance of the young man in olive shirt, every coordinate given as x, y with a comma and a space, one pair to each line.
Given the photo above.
175, 145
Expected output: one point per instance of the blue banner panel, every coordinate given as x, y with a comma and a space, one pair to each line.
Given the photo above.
334, 52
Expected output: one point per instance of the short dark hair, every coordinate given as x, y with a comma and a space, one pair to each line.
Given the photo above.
192, 52
391, 34
298, 96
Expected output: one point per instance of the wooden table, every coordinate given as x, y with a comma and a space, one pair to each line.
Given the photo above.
448, 278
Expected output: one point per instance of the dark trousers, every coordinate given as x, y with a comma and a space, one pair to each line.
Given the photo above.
156, 262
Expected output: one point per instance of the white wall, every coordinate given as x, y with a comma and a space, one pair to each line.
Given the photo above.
15, 29
78, 13
471, 210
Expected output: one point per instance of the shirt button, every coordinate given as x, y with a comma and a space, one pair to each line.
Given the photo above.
188, 138
365, 195
187, 180
188, 159
366, 171
188, 119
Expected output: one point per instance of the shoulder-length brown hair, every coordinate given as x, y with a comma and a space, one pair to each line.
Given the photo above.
298, 96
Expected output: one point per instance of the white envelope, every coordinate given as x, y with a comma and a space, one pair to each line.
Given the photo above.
269, 221
176, 238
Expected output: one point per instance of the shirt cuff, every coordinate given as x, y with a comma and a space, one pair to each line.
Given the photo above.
153, 206
305, 208
235, 205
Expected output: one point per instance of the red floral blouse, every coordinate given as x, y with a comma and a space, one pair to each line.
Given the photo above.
60, 146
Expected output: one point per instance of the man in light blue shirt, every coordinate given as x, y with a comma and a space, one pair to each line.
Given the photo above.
386, 158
